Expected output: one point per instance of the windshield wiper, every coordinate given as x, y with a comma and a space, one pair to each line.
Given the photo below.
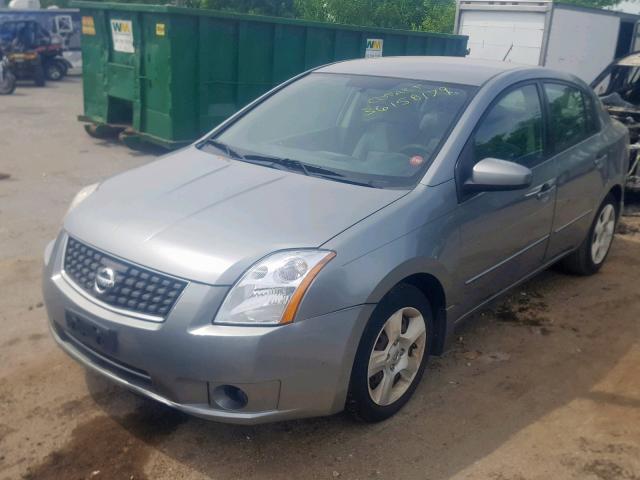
309, 170
287, 163
341, 178
224, 147
263, 161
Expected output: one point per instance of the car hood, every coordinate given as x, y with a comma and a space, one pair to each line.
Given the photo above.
207, 218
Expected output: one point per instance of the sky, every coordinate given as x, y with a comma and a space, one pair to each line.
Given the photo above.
629, 6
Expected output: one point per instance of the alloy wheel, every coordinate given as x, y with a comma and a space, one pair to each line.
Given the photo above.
54, 72
396, 356
603, 234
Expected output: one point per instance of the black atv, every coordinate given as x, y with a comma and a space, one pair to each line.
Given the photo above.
31, 51
55, 66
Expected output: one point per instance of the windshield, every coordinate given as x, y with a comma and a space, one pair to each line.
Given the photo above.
619, 86
376, 131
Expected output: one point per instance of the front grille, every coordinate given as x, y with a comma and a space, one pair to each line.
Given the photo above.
134, 288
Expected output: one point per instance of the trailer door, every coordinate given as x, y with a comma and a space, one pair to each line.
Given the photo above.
582, 41
635, 42
511, 35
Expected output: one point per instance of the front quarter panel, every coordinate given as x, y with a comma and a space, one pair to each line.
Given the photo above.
415, 234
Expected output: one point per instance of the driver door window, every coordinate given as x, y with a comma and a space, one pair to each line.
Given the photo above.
512, 129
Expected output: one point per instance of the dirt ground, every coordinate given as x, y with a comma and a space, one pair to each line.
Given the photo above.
544, 385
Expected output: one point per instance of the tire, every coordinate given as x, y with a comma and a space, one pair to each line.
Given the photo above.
53, 71
8, 84
588, 259
102, 131
39, 76
407, 308
64, 66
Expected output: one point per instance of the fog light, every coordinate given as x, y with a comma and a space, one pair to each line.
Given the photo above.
230, 397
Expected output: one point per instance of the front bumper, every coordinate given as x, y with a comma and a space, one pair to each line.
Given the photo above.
292, 371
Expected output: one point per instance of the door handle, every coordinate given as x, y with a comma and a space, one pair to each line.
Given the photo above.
545, 191
599, 160
541, 192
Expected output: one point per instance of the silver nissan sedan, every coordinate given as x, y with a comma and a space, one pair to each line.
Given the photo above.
310, 253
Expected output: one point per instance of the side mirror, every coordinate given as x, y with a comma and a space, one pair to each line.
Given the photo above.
491, 174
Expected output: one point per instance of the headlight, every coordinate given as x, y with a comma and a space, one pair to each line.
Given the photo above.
269, 292
82, 195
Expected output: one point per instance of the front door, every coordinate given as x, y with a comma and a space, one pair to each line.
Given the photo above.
504, 234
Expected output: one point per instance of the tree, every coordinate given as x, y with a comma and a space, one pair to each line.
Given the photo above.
427, 15
279, 8
379, 13
56, 3
593, 3
439, 16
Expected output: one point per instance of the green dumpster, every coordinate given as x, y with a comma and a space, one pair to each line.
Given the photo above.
167, 75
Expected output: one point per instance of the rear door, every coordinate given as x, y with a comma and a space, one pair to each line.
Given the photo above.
580, 156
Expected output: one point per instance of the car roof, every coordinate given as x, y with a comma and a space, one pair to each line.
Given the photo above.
466, 71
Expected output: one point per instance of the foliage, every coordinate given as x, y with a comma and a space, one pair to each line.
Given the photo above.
67, 3
380, 13
280, 8
439, 16
56, 3
427, 15
593, 3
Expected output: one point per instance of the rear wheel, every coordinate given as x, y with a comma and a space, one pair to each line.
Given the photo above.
591, 255
102, 131
53, 71
392, 355
64, 66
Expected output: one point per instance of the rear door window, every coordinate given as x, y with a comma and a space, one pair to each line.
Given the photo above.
569, 122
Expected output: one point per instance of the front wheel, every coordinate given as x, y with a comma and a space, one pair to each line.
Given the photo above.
591, 255
392, 355
8, 83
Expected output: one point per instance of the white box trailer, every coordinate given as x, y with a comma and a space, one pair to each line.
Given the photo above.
575, 39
